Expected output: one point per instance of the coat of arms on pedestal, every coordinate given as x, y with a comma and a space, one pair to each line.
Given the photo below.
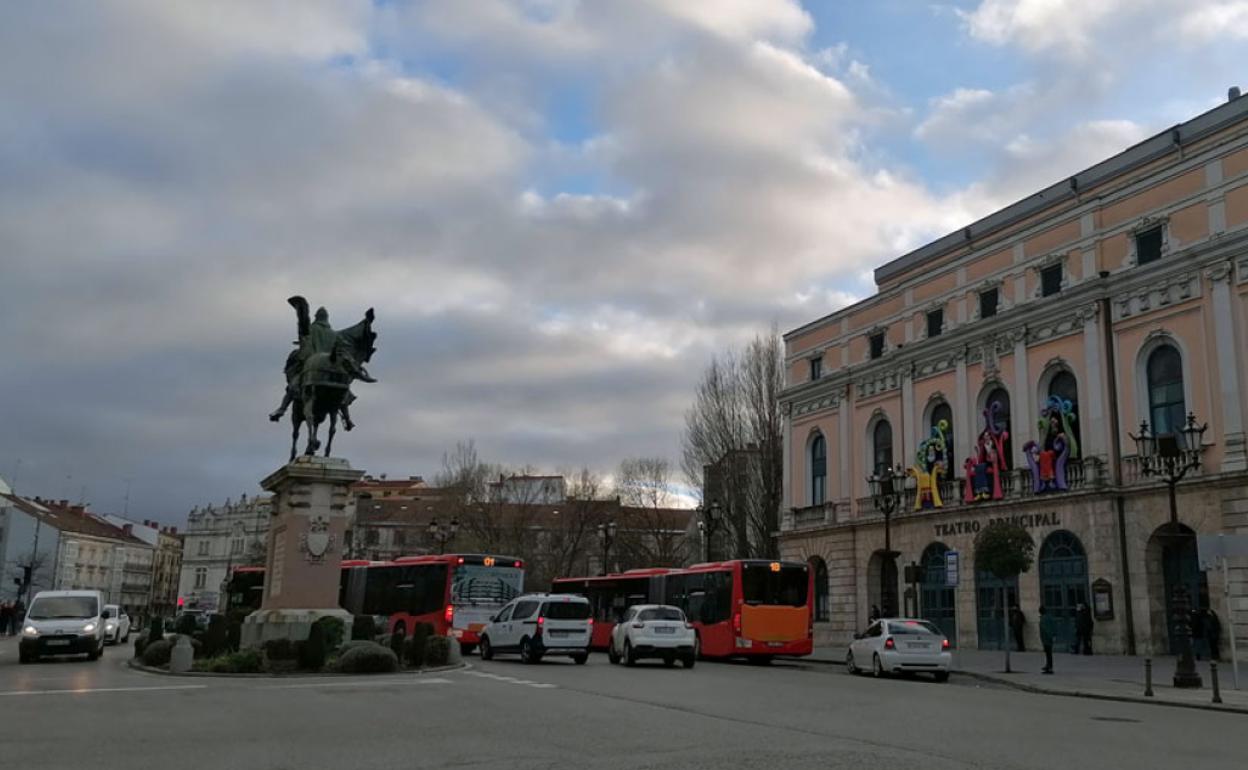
317, 541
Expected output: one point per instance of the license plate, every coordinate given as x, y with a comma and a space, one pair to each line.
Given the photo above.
560, 633
775, 644
58, 642
916, 645
665, 630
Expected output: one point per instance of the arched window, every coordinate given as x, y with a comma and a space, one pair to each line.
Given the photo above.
818, 470
1166, 405
823, 599
1064, 386
942, 412
882, 445
1001, 396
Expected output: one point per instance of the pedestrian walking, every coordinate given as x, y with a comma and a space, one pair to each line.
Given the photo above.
1083, 628
1213, 633
1048, 627
1017, 621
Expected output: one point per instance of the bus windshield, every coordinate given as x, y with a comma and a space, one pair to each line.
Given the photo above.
479, 584
761, 584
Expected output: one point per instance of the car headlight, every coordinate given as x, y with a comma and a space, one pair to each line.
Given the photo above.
110, 626
88, 628
30, 631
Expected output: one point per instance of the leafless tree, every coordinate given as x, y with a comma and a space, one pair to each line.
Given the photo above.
648, 533
569, 531
733, 442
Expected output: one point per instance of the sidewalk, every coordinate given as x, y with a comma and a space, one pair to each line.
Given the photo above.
1112, 677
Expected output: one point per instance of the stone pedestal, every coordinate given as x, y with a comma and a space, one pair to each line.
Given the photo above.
310, 504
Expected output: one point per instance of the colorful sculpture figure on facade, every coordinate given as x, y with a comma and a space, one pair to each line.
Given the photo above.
985, 468
930, 464
1056, 447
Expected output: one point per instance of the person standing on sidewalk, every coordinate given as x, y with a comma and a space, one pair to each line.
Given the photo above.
1017, 621
1083, 628
1047, 628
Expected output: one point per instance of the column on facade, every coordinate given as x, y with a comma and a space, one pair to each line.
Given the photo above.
786, 483
1093, 408
1022, 415
964, 410
909, 420
1233, 456
845, 415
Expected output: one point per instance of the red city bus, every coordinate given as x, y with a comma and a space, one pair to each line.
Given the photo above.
455, 593
748, 608
610, 595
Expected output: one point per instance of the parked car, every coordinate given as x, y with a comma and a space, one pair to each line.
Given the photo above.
63, 623
538, 625
117, 627
899, 646
653, 631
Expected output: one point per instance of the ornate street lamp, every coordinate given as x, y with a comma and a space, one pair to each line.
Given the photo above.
708, 521
442, 536
1169, 456
886, 491
606, 538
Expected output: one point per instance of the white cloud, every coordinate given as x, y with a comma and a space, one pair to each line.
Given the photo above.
1065, 26
1208, 22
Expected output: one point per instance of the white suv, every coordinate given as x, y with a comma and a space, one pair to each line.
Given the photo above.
652, 631
537, 625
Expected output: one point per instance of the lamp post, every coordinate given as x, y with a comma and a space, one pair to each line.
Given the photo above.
1169, 456
442, 536
886, 496
606, 538
708, 522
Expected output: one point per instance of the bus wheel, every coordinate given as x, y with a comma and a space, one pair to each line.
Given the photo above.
487, 652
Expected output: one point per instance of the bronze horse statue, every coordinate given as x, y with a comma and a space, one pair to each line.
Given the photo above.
319, 373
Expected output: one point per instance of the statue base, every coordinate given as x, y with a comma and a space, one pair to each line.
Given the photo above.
310, 506
263, 625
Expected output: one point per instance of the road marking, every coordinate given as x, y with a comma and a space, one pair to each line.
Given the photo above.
87, 690
360, 683
511, 680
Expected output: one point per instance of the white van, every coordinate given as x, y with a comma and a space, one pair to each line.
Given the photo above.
63, 623
537, 625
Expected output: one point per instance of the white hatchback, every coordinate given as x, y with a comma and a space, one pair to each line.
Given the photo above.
900, 645
117, 627
653, 631
538, 625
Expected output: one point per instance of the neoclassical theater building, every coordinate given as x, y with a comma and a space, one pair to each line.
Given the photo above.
1039, 338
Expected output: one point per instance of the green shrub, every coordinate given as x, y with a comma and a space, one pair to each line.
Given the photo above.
437, 651
233, 634
312, 651
157, 653
364, 627
335, 632
414, 649
155, 630
280, 649
216, 638
351, 645
139, 644
242, 662
198, 650
369, 658
186, 624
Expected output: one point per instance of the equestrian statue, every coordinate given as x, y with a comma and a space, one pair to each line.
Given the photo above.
319, 373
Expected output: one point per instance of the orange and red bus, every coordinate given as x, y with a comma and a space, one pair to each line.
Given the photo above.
748, 608
455, 593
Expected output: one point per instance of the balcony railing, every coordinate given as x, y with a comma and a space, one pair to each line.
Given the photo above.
813, 515
1133, 468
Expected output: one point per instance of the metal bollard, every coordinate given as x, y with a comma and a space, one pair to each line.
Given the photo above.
1148, 677
1213, 674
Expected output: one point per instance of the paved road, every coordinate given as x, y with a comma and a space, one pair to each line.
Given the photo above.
506, 715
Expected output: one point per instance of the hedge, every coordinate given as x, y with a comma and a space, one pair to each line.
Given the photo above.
157, 653
369, 658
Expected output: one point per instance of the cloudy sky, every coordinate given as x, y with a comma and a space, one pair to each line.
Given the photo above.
559, 208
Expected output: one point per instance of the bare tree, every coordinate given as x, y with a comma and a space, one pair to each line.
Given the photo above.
732, 445
465, 478
648, 535
569, 532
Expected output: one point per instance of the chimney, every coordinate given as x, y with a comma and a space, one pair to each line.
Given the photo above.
1232, 93
128, 529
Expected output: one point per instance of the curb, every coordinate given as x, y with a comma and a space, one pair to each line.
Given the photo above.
1037, 690
293, 675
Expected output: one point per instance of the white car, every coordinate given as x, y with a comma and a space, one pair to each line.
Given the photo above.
653, 631
899, 646
63, 623
117, 627
537, 625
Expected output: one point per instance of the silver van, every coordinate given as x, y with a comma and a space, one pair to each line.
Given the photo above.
63, 623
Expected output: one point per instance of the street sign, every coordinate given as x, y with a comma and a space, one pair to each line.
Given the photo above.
951, 569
